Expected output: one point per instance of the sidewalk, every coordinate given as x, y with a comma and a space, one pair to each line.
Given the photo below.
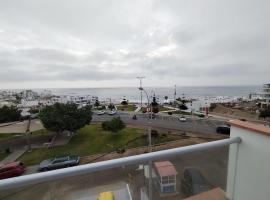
13, 156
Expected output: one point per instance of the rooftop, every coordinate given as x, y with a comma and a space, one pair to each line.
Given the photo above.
165, 168
259, 128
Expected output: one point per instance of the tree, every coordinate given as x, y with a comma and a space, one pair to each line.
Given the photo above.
124, 102
61, 117
115, 125
154, 105
181, 104
155, 109
154, 102
111, 106
97, 104
9, 114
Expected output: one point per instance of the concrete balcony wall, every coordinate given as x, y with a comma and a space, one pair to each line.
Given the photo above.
249, 173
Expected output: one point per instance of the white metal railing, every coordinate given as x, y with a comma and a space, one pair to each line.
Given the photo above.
99, 166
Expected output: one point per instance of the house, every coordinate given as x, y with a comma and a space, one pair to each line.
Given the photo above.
165, 176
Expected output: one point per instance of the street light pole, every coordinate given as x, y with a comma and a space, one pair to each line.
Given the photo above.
149, 145
140, 78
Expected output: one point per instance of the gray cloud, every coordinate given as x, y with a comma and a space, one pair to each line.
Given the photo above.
186, 42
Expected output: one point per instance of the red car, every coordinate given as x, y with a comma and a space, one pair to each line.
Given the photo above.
11, 169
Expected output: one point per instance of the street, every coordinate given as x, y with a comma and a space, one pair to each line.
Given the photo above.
192, 124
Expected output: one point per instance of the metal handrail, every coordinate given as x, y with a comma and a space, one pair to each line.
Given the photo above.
109, 164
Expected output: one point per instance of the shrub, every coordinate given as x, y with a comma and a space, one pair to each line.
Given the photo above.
155, 109
115, 125
154, 133
264, 114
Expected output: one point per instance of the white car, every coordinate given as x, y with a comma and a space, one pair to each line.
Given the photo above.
112, 112
182, 119
101, 112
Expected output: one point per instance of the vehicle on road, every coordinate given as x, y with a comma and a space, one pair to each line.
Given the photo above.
134, 117
11, 169
59, 162
112, 112
101, 112
193, 182
106, 196
182, 119
223, 130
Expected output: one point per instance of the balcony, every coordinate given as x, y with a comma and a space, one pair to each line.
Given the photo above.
135, 177
233, 168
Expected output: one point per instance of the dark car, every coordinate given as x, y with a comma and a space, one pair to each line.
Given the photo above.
11, 169
224, 130
59, 162
193, 182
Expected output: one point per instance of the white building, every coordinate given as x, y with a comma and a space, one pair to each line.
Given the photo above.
249, 162
266, 96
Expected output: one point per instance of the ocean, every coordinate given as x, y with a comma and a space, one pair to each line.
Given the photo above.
133, 93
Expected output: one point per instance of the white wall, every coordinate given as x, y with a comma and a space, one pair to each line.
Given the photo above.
252, 180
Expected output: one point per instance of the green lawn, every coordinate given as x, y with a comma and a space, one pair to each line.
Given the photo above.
3, 155
129, 107
92, 140
5, 136
161, 108
88, 140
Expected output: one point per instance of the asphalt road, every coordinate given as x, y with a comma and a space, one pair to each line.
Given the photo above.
193, 124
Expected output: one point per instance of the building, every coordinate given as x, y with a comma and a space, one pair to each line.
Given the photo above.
266, 96
249, 162
165, 176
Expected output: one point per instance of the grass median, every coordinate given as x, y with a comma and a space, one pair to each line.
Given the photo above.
92, 139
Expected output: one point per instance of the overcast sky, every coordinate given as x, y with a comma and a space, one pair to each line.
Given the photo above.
107, 43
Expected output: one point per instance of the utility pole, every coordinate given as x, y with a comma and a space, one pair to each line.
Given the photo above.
174, 96
140, 88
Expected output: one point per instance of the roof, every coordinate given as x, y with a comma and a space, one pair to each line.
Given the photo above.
165, 168
214, 194
259, 128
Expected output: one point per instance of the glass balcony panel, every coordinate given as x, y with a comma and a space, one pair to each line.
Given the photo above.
186, 175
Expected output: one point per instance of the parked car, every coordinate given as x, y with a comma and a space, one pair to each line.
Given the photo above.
223, 130
11, 169
106, 196
101, 112
112, 112
59, 162
182, 119
193, 182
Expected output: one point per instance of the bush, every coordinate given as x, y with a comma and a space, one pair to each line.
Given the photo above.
115, 125
155, 109
124, 102
154, 133
264, 114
